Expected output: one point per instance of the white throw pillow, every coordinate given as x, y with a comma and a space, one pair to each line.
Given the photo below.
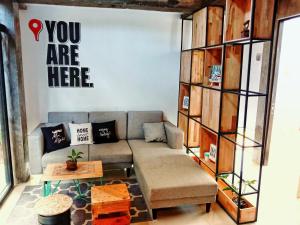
81, 134
155, 132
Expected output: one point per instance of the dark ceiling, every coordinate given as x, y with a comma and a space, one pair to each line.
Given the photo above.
184, 6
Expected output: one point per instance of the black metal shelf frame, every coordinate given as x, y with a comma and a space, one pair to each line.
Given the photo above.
247, 93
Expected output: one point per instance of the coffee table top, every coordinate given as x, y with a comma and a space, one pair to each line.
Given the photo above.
109, 193
86, 170
53, 205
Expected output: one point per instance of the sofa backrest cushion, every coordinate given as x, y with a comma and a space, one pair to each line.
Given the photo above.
68, 117
136, 120
119, 116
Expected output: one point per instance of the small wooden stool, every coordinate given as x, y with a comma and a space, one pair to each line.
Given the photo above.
54, 210
110, 205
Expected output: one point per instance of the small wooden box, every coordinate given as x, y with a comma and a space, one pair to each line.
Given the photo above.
110, 199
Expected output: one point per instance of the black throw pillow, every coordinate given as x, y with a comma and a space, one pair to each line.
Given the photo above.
55, 138
104, 132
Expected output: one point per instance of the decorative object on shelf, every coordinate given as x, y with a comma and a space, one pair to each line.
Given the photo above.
245, 32
246, 183
215, 74
72, 162
185, 103
213, 152
206, 156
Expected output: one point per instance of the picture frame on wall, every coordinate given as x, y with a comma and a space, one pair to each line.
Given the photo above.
213, 153
185, 102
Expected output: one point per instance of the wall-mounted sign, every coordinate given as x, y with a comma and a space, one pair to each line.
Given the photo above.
62, 59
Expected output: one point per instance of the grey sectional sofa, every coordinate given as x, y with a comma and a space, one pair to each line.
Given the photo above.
167, 176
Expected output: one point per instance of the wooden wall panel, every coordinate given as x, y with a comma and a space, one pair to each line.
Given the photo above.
185, 66
199, 28
198, 66
211, 108
232, 67
196, 101
215, 23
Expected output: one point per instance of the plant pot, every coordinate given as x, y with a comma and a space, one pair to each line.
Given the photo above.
243, 202
71, 165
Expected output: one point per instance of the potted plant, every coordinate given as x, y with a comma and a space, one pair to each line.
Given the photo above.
234, 190
72, 162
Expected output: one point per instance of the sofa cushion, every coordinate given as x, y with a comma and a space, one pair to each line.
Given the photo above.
119, 116
136, 119
154, 132
69, 117
164, 172
118, 152
81, 134
104, 132
55, 138
61, 155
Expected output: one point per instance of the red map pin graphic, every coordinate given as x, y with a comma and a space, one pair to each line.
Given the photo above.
36, 26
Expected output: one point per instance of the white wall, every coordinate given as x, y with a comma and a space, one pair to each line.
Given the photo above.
133, 58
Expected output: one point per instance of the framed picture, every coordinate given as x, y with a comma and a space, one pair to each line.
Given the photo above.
213, 152
185, 103
215, 74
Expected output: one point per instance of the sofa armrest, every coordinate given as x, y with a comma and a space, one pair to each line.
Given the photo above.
36, 150
174, 136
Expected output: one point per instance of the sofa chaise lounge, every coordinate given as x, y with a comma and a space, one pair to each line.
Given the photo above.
166, 175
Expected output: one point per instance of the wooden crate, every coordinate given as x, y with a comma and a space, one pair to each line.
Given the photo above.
215, 25
226, 156
196, 101
206, 139
207, 27
198, 66
213, 56
211, 108
183, 124
185, 69
229, 112
194, 133
113, 219
199, 28
232, 67
110, 199
224, 197
239, 11
184, 90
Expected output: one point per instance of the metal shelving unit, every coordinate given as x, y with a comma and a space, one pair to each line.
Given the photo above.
237, 137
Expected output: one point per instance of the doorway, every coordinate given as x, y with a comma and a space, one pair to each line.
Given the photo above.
281, 177
6, 180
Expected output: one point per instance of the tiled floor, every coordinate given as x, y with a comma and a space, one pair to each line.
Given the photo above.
275, 209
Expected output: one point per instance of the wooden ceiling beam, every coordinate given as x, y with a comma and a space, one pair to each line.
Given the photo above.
184, 6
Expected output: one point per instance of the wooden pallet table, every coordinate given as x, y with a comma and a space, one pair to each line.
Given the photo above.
110, 205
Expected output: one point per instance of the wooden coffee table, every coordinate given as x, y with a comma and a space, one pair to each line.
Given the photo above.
110, 204
58, 172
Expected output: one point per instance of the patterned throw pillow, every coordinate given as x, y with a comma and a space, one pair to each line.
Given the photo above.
155, 132
104, 132
55, 138
81, 134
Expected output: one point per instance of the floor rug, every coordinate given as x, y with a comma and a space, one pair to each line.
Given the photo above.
24, 214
